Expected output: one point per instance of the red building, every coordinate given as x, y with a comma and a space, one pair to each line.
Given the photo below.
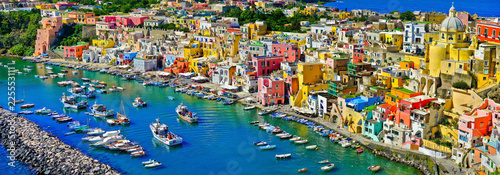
265, 65
357, 53
290, 52
488, 31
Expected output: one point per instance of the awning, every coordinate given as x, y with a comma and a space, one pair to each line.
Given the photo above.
199, 78
163, 73
187, 74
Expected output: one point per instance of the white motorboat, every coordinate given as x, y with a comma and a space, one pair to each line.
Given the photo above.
328, 167
250, 107
94, 132
301, 141
311, 147
283, 156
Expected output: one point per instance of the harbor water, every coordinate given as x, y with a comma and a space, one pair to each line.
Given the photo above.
221, 143
484, 8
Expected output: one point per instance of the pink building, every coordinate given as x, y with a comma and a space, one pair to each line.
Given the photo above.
290, 52
474, 125
271, 91
130, 20
265, 65
47, 34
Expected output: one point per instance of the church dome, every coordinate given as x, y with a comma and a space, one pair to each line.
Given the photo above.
452, 24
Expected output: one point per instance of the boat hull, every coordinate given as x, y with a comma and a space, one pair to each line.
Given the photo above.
167, 142
188, 119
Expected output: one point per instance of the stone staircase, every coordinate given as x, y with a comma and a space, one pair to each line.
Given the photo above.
53, 54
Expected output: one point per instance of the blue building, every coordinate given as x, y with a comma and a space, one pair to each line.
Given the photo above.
359, 103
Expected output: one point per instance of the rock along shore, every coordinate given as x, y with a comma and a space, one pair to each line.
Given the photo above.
28, 143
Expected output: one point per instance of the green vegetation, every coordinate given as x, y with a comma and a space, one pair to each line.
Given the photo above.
394, 12
360, 19
170, 26
71, 35
276, 20
461, 85
18, 31
407, 16
446, 143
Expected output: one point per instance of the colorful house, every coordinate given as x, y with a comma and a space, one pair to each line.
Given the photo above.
472, 126
47, 34
399, 93
265, 65
405, 106
271, 90
75, 51
290, 52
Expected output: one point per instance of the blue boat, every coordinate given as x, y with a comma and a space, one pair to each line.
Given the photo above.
267, 147
171, 98
228, 102
80, 92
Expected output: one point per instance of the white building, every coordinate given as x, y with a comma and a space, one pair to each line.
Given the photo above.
413, 41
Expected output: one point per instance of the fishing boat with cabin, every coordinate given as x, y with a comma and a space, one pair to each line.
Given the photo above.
185, 114
160, 132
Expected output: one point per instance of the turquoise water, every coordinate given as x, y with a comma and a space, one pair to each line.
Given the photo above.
222, 142
487, 8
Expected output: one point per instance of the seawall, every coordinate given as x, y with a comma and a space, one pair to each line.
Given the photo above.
28, 143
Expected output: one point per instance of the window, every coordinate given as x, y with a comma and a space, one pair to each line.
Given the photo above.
449, 64
277, 86
311, 68
481, 124
460, 66
479, 30
485, 63
485, 31
494, 33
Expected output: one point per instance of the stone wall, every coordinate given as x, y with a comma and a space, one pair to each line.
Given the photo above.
28, 143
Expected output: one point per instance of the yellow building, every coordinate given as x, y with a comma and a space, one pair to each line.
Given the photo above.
450, 46
256, 29
103, 43
309, 11
394, 38
310, 78
68, 20
354, 120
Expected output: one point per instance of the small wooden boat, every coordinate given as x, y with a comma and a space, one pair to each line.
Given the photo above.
301, 141
311, 147
27, 105
324, 161
329, 167
138, 153
283, 156
295, 139
250, 107
374, 168
69, 133
260, 143
359, 150
302, 170
64, 119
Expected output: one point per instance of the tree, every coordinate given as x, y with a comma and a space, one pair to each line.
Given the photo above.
461, 85
17, 50
408, 16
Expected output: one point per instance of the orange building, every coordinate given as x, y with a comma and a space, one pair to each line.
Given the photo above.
397, 94
82, 17
405, 65
75, 51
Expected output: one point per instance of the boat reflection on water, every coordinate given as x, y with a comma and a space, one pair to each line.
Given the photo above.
183, 122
